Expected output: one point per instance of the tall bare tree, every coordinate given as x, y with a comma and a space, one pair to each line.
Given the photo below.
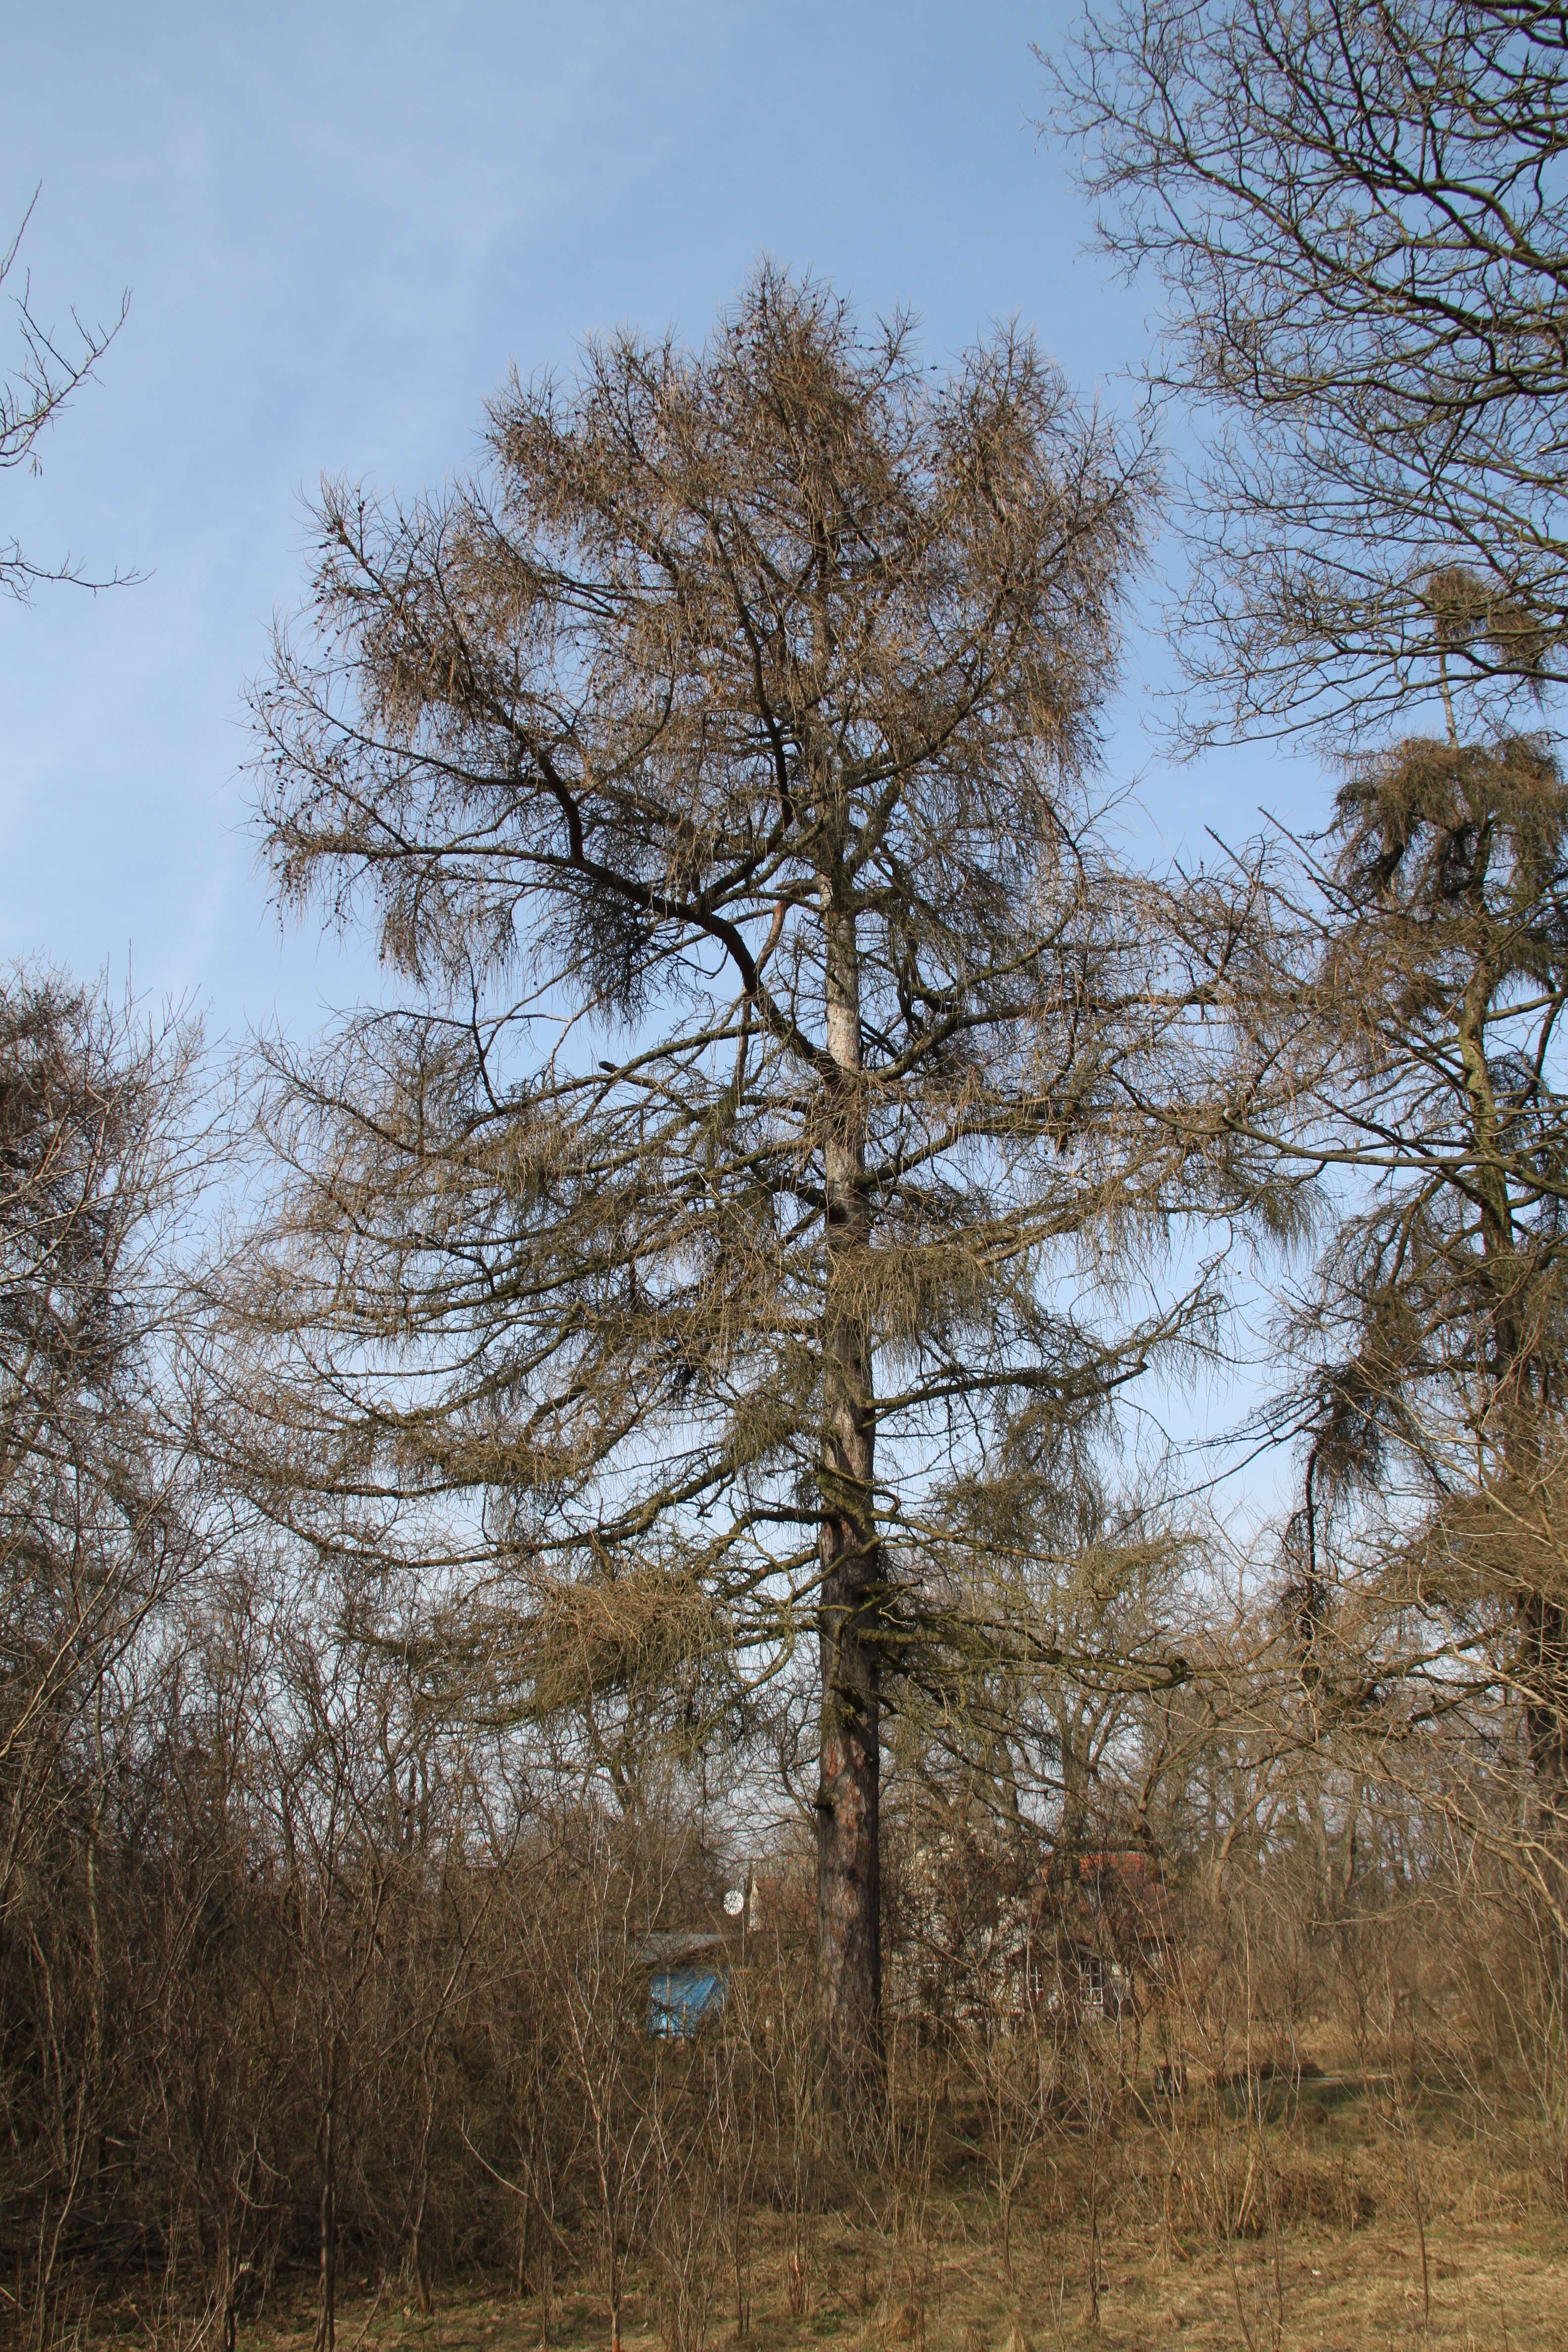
1358, 212
95, 1148
99, 1529
1391, 1002
1359, 218
715, 769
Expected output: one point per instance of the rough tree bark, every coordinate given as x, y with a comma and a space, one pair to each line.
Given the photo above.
848, 1886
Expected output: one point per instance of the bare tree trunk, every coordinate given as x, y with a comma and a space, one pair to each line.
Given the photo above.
848, 1879
326, 2320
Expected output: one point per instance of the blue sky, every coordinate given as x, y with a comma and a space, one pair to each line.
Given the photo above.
338, 224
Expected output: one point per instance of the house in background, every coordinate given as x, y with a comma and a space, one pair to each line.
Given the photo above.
989, 1946
1104, 1934
994, 1931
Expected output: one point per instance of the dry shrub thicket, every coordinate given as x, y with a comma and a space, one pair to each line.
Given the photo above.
312, 1991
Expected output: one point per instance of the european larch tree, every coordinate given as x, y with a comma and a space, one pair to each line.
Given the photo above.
714, 769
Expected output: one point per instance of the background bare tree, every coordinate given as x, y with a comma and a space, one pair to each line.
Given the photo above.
1358, 217
95, 1150
1390, 994
100, 1523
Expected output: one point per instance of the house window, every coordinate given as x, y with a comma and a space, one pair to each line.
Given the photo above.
681, 1999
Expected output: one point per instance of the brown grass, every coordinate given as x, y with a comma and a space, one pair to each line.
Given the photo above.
1497, 2284
1348, 2224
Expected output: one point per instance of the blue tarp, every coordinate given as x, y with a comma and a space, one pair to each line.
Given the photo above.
680, 1999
